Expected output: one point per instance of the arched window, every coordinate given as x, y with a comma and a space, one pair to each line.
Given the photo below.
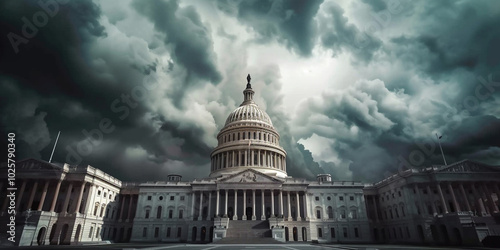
158, 212
330, 212
318, 213
146, 215
342, 213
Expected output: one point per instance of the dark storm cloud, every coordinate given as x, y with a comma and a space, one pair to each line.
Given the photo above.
70, 77
184, 30
289, 22
338, 35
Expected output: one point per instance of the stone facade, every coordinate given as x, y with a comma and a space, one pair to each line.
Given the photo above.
455, 204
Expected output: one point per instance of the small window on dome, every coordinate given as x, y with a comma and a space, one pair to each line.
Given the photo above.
233, 136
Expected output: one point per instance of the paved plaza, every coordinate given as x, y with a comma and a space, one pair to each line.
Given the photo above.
296, 246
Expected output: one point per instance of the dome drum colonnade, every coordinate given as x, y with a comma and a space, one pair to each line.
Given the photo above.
248, 140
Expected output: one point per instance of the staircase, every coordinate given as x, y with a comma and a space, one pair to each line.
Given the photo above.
248, 229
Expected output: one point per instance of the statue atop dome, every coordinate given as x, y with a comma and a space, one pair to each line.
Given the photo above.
249, 86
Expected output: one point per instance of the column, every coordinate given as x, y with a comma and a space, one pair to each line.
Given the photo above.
32, 195
306, 214
122, 207
244, 205
253, 205
431, 195
235, 216
239, 158
298, 207
225, 207
20, 196
245, 163
478, 199
311, 211
493, 207
289, 206
272, 203
79, 200
200, 211
129, 212
217, 204
209, 205
441, 197
233, 160
258, 157
482, 192
281, 203
44, 193
263, 215
193, 194
374, 198
455, 203
467, 204
497, 191
252, 158
265, 158
68, 196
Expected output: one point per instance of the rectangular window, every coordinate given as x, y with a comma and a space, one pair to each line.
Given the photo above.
172, 198
351, 198
318, 214
179, 232
157, 232
97, 232
332, 232
345, 232
91, 231
356, 232
168, 232
145, 232
316, 198
320, 233
149, 197
182, 198
341, 198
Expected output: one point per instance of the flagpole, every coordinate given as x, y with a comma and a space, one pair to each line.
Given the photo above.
439, 142
54, 149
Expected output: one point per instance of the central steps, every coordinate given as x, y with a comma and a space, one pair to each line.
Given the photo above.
248, 229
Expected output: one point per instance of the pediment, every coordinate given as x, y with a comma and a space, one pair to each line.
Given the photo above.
33, 164
467, 166
249, 176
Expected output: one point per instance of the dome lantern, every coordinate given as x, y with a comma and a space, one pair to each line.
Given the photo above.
248, 93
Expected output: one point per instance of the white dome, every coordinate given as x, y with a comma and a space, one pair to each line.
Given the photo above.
249, 112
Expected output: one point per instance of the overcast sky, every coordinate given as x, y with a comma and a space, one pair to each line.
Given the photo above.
357, 89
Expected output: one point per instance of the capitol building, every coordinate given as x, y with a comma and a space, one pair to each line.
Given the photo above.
248, 194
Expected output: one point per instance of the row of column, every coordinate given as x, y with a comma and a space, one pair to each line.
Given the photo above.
238, 136
43, 196
481, 194
262, 193
236, 158
131, 199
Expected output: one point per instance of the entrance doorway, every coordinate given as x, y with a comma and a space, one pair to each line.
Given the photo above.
193, 237
41, 236
295, 234
304, 234
203, 233
286, 234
